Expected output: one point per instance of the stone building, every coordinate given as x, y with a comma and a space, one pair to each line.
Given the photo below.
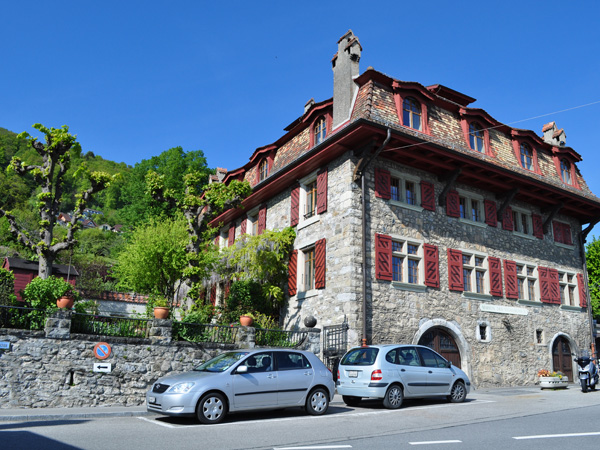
422, 219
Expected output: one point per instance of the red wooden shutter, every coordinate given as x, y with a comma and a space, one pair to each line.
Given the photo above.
382, 183
566, 233
295, 207
293, 273
217, 239
383, 257
427, 196
495, 276
507, 219
322, 191
213, 294
231, 235
262, 219
453, 204
544, 285
491, 213
554, 285
510, 279
582, 291
243, 225
549, 285
455, 270
557, 231
432, 266
320, 264
538, 226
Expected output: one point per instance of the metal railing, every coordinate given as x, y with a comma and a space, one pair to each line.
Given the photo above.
279, 338
109, 326
196, 332
22, 318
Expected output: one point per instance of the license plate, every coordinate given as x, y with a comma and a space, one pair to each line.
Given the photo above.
151, 399
353, 373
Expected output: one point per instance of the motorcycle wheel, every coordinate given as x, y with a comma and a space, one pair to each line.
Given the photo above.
584, 386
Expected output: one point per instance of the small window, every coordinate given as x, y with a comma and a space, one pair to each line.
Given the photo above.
526, 156
483, 332
476, 137
411, 113
474, 273
568, 289
539, 336
310, 206
565, 171
522, 222
263, 170
252, 225
527, 282
406, 261
308, 277
320, 130
405, 189
471, 208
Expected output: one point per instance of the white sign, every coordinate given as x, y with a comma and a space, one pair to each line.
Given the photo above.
503, 309
102, 367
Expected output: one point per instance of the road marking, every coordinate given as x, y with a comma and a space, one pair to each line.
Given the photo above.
312, 447
453, 441
327, 416
549, 436
157, 422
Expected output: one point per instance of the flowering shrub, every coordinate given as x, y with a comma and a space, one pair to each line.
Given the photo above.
547, 373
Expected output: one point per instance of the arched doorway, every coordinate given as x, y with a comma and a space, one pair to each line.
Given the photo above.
440, 341
562, 360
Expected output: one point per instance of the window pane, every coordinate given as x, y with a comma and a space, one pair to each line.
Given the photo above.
410, 193
395, 189
475, 211
397, 268
413, 271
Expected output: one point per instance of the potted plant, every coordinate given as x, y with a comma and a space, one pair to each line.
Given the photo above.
246, 319
550, 379
161, 308
67, 299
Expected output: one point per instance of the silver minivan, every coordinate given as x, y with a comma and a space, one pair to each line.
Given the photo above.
395, 372
244, 380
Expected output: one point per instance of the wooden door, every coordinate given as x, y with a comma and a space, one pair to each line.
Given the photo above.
440, 341
562, 360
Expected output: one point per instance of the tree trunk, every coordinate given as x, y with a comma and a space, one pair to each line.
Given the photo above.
45, 266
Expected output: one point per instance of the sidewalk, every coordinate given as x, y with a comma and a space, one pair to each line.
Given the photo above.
36, 414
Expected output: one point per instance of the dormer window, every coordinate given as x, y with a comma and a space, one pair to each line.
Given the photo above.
263, 170
320, 130
411, 113
565, 171
526, 156
476, 137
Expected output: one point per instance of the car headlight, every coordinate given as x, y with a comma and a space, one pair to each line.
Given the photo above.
181, 388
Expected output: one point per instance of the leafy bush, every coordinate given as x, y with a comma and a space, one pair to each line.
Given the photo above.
248, 296
199, 314
7, 288
42, 293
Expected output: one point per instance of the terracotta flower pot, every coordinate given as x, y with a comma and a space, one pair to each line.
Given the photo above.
161, 312
65, 302
246, 321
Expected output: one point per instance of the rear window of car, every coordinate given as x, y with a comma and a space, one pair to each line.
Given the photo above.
360, 357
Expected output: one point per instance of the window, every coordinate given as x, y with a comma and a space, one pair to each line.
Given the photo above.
522, 222
310, 205
474, 273
568, 288
565, 171
471, 207
308, 275
562, 233
483, 331
526, 156
539, 336
263, 170
406, 261
527, 281
476, 137
252, 229
411, 113
320, 130
404, 189
309, 199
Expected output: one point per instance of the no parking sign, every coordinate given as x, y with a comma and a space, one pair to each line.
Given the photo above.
102, 350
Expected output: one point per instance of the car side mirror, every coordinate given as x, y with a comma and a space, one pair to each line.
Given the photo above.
448, 364
242, 369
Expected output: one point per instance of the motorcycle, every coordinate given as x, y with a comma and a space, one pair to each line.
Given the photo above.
588, 372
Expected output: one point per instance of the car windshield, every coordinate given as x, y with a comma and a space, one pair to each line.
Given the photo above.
360, 357
221, 363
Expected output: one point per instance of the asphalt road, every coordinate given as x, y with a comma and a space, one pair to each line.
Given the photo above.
493, 419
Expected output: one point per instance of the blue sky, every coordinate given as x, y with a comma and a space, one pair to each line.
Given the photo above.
135, 78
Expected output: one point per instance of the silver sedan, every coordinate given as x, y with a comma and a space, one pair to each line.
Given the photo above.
245, 380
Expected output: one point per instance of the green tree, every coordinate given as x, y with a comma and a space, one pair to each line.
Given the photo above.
50, 176
153, 260
592, 255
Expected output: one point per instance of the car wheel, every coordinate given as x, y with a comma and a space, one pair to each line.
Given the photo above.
317, 402
211, 408
393, 397
350, 400
458, 394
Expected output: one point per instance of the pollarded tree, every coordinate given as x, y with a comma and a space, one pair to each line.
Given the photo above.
50, 177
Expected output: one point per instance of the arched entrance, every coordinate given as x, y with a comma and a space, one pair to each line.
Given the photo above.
561, 357
440, 341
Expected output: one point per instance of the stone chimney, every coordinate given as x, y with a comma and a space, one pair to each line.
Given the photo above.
345, 69
309, 105
554, 136
218, 177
